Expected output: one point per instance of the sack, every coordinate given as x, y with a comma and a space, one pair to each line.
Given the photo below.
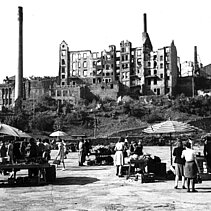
57, 162
198, 179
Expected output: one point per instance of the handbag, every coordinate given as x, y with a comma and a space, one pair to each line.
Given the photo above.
198, 179
56, 161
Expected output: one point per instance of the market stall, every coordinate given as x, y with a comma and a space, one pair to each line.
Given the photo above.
46, 173
19, 152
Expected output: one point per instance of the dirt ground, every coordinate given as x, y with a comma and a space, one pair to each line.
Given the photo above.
98, 188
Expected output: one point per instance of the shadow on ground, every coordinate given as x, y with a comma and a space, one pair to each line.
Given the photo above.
78, 168
75, 180
59, 181
204, 189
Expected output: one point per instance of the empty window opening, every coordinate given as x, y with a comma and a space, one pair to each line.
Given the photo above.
85, 73
158, 91
74, 65
63, 53
85, 64
139, 52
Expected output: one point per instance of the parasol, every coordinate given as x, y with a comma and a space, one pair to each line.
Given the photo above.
12, 131
170, 127
58, 134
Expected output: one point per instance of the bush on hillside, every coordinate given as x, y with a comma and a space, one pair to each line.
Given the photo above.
154, 117
45, 103
19, 121
199, 105
42, 122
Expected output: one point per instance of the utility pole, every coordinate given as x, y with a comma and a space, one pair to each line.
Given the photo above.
193, 85
95, 126
195, 70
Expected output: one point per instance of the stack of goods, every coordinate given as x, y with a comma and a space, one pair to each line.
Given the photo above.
102, 155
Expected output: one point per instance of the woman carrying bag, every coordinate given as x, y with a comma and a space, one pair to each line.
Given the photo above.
191, 169
61, 154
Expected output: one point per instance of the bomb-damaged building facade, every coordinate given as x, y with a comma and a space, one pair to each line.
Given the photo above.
134, 71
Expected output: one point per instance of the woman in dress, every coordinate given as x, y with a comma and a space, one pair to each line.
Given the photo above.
81, 153
10, 152
191, 166
119, 157
61, 153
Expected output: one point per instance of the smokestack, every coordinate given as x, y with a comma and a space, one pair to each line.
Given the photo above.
19, 75
196, 65
195, 55
145, 22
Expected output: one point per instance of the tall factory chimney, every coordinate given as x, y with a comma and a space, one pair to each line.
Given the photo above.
196, 65
145, 22
19, 75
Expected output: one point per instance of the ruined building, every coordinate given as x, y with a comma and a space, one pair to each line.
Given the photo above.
111, 73
129, 70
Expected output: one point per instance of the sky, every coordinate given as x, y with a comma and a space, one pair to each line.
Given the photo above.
96, 24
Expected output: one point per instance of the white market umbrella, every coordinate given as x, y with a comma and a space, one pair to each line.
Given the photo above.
170, 127
12, 131
58, 134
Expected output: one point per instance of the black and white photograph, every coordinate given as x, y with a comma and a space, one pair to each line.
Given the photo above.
105, 105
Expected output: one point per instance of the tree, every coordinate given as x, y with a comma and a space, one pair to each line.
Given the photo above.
44, 103
42, 122
19, 121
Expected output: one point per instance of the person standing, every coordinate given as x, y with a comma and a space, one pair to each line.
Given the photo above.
41, 147
3, 155
191, 166
23, 146
179, 164
81, 153
47, 150
61, 153
87, 148
207, 151
31, 152
10, 152
3, 152
119, 157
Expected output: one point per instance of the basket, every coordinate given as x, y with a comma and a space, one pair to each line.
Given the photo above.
57, 162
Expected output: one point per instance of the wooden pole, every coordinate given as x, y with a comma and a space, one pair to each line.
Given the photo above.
171, 150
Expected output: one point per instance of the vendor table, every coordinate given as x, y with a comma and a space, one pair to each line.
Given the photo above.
43, 170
